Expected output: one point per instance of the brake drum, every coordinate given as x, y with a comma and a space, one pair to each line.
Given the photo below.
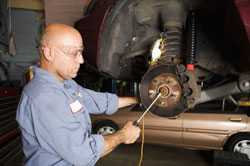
163, 79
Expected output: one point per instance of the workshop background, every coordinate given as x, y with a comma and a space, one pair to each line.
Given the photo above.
21, 25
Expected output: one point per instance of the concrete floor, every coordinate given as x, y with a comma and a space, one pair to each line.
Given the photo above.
128, 155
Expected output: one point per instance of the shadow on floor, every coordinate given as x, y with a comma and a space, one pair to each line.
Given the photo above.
128, 155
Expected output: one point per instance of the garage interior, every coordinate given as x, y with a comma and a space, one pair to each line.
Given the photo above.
218, 99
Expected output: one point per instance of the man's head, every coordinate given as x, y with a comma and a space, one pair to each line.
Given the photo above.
61, 51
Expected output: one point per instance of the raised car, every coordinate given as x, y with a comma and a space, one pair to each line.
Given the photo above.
190, 51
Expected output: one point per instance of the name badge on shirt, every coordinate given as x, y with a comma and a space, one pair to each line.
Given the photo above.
76, 106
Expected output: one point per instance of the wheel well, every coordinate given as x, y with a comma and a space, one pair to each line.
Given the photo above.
90, 7
103, 122
232, 137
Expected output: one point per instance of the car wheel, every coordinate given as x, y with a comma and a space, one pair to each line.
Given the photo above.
240, 144
105, 127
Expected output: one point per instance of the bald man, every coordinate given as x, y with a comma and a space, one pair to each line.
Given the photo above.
53, 113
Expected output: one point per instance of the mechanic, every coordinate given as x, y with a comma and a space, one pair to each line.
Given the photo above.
53, 113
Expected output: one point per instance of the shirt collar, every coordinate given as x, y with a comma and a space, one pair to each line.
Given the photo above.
42, 74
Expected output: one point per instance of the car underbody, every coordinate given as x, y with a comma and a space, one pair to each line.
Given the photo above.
191, 52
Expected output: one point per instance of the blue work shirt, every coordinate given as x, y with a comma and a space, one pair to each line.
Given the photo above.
55, 124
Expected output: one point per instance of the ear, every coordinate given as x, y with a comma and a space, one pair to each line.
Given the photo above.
48, 54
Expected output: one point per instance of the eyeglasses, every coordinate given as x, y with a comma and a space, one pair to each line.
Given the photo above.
70, 51
73, 52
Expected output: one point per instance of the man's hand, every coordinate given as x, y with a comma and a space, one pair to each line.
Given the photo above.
127, 135
131, 133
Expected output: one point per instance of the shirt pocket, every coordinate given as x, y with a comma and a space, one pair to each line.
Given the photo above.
82, 119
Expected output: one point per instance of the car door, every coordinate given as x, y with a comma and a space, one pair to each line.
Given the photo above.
158, 130
163, 130
209, 127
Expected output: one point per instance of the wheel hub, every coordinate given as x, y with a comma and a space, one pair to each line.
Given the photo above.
168, 86
243, 147
106, 130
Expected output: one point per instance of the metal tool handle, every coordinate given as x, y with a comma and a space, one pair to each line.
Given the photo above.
136, 123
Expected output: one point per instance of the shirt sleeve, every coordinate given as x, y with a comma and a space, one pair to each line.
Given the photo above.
56, 127
100, 103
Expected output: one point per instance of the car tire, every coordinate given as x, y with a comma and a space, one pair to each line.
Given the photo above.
240, 143
105, 127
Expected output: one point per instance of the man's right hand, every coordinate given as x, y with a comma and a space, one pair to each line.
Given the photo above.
127, 135
130, 132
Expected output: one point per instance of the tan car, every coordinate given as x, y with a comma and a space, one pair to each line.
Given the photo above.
207, 127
